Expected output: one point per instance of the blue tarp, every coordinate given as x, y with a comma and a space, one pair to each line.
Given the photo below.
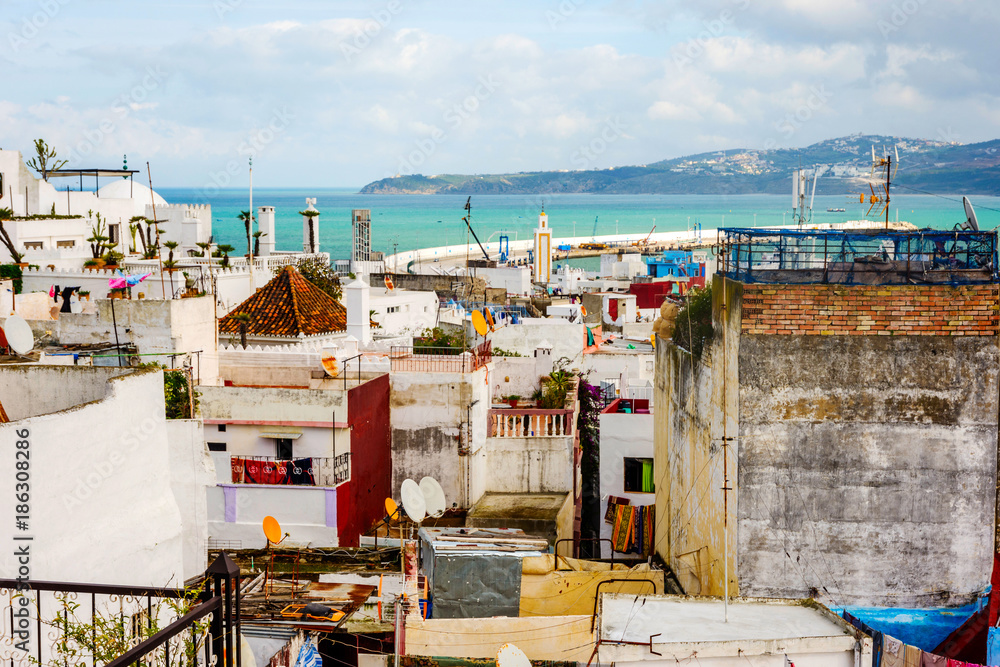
993, 647
923, 628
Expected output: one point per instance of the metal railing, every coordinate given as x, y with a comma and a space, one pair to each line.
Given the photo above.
530, 423
863, 256
440, 359
306, 471
55, 623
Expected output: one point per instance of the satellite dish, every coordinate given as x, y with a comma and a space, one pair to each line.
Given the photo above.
433, 496
479, 323
330, 364
971, 222
391, 509
511, 656
388, 283
272, 529
583, 311
413, 500
489, 318
18, 335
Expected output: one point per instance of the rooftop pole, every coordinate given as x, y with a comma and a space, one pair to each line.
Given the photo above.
156, 226
253, 287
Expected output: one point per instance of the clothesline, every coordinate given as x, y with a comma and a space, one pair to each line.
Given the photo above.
887, 651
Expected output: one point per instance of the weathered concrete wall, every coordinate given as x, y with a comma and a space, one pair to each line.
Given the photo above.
30, 390
690, 422
871, 462
528, 465
565, 338
435, 427
191, 473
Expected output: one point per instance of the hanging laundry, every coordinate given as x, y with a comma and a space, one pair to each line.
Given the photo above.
609, 515
622, 532
893, 652
265, 472
931, 660
912, 656
647, 475
237, 463
300, 472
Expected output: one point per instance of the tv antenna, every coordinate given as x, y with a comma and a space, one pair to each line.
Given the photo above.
800, 190
883, 171
468, 223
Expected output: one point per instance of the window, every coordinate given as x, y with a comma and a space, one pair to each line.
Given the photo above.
113, 237
283, 448
638, 475
222, 428
216, 446
34, 245
392, 309
66, 244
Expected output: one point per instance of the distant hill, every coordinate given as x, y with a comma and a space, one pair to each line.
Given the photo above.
844, 164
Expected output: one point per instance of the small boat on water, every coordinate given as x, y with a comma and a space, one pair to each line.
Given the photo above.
836, 210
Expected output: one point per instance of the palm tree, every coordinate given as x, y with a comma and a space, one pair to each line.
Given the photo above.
225, 249
243, 319
7, 214
247, 220
170, 266
171, 245
204, 248
256, 242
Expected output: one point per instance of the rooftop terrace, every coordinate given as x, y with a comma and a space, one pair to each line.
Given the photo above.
858, 257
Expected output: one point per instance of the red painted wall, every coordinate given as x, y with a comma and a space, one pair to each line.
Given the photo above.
361, 501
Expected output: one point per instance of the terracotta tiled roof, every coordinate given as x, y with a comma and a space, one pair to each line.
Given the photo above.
287, 306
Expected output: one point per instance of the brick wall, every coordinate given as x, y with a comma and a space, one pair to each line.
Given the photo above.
868, 310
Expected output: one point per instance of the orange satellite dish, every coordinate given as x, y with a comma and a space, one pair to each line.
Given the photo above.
489, 318
391, 509
479, 323
583, 311
388, 283
330, 364
272, 529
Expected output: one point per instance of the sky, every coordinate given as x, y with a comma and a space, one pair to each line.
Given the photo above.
338, 94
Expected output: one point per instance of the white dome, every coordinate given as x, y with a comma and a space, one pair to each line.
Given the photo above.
123, 188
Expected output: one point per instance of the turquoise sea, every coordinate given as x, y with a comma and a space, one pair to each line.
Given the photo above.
406, 222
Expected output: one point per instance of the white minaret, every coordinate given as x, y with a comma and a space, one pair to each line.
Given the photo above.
265, 223
356, 299
543, 250
310, 227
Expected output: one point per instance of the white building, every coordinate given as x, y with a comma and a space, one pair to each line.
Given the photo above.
112, 483
626, 447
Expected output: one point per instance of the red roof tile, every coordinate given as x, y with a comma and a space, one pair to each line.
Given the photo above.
287, 306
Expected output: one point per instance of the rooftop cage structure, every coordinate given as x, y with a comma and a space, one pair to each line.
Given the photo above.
857, 257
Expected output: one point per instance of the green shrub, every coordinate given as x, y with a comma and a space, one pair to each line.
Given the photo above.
693, 328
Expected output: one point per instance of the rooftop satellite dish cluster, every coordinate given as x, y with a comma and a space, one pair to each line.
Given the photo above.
419, 501
16, 335
484, 322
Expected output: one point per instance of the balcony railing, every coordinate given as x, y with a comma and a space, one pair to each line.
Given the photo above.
307, 471
530, 423
440, 359
57, 623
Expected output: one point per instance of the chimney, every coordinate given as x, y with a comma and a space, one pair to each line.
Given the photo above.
265, 223
543, 358
356, 299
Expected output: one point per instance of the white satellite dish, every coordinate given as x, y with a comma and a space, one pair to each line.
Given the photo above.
433, 496
971, 222
413, 500
18, 334
511, 656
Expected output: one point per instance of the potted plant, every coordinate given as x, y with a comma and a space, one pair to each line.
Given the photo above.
225, 249
512, 400
85, 294
112, 258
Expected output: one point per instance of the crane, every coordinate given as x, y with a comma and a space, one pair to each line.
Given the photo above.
466, 220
